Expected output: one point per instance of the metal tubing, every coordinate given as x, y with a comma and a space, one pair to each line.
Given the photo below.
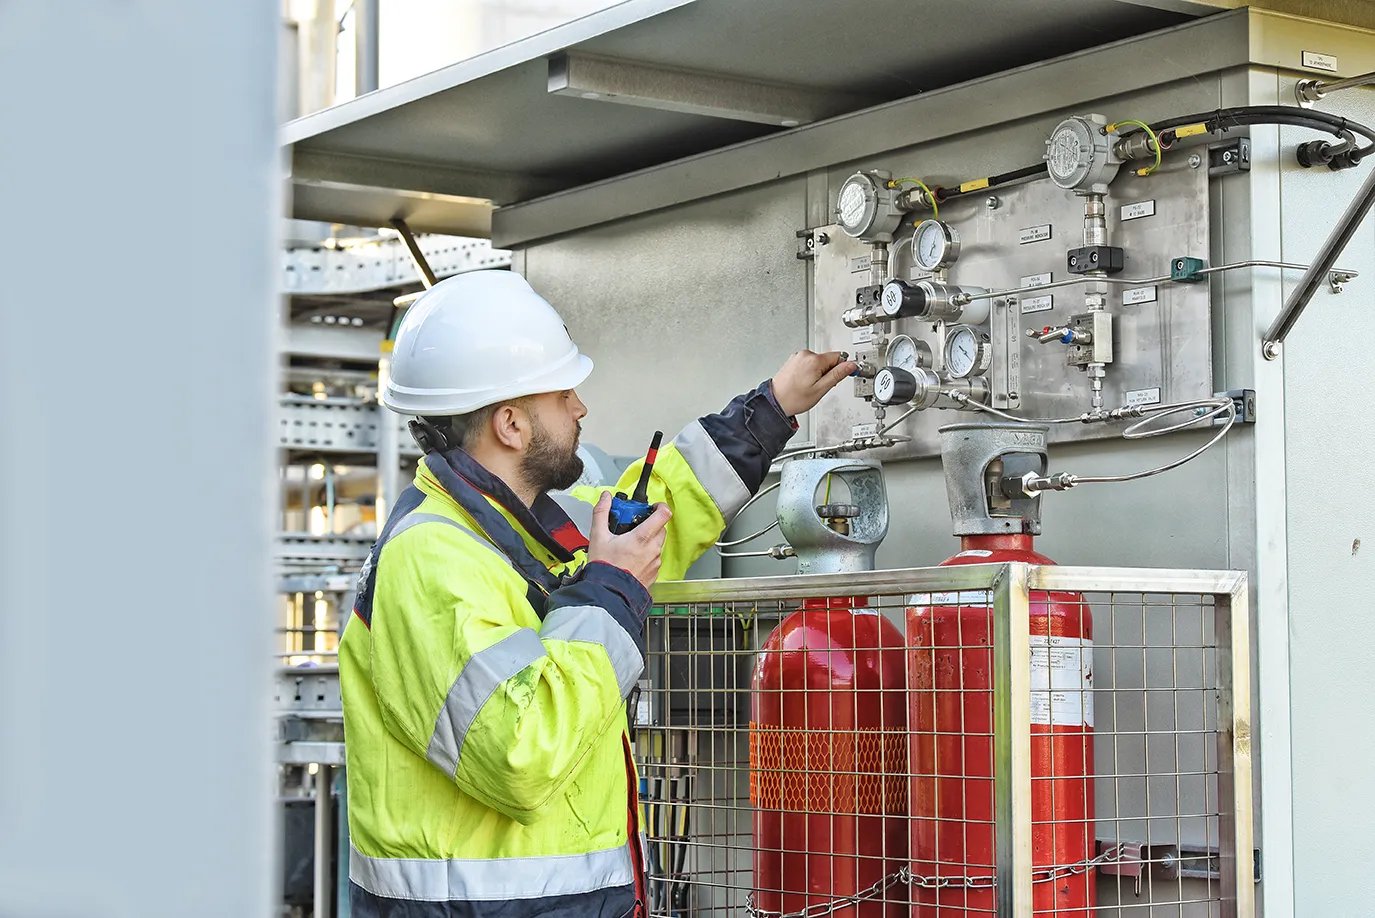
365, 46
1322, 264
1012, 741
1310, 91
324, 844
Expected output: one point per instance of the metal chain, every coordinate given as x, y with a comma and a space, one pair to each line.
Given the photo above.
907, 877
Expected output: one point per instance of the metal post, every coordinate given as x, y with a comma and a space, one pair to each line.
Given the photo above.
365, 46
388, 444
1322, 264
1012, 741
324, 844
1235, 829
318, 58
421, 264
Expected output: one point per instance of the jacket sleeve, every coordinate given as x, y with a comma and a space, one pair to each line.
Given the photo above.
509, 713
707, 473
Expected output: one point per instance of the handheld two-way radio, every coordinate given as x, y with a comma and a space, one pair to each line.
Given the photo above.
629, 512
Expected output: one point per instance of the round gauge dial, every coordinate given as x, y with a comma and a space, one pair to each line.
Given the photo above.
935, 245
855, 204
907, 353
966, 351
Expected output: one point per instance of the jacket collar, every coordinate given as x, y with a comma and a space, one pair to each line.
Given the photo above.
494, 506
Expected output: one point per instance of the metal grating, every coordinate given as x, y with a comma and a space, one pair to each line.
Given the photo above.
1107, 772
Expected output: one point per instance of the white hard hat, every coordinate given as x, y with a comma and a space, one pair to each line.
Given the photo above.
476, 339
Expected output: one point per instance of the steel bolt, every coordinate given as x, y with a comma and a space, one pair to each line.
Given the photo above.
992, 202
1226, 156
1195, 160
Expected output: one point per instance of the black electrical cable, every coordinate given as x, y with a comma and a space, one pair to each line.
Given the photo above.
1217, 121
993, 181
1224, 119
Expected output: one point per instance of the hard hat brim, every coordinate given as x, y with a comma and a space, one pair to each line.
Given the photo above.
442, 403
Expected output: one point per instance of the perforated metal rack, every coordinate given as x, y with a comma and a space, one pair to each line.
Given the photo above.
932, 821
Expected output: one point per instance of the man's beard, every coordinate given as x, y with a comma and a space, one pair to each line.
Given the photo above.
547, 465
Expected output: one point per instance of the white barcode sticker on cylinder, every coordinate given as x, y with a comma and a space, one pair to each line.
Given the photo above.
1061, 680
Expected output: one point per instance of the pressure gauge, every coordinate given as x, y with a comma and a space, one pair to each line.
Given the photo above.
866, 207
907, 353
935, 245
966, 351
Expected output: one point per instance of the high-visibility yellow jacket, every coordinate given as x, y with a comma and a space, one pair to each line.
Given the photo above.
484, 676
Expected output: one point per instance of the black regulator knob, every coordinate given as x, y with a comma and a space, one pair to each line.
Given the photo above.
894, 386
902, 299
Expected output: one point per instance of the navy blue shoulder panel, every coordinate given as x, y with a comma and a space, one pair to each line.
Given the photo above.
750, 432
410, 498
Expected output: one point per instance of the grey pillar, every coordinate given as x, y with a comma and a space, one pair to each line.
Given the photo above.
140, 180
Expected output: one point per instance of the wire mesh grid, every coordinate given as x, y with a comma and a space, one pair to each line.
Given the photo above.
877, 749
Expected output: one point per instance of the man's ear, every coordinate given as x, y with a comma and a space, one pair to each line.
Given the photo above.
511, 427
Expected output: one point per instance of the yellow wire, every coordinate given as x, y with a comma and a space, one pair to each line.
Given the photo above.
935, 208
1145, 170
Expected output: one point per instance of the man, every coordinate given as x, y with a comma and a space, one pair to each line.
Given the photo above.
495, 640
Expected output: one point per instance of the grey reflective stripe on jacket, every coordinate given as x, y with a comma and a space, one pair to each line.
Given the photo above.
479, 678
492, 879
579, 511
415, 519
712, 469
595, 625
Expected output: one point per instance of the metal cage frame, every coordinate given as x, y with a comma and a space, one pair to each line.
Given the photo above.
1009, 586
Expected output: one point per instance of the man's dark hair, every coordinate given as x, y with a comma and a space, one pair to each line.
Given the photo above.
463, 430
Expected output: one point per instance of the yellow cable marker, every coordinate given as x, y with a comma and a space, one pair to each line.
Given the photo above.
1189, 130
973, 185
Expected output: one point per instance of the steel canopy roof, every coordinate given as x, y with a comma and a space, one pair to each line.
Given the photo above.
441, 149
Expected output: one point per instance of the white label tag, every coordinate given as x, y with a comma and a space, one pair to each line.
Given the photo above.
1038, 303
861, 263
1143, 397
864, 430
862, 335
1036, 280
1138, 210
1137, 295
962, 598
1316, 60
644, 708
1061, 681
1034, 234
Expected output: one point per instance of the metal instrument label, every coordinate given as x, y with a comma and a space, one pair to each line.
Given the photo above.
1143, 397
863, 335
1138, 210
1138, 295
1316, 60
1038, 303
1061, 680
861, 263
1036, 280
1034, 234
864, 430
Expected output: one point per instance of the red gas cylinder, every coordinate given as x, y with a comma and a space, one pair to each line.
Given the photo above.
950, 665
828, 751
